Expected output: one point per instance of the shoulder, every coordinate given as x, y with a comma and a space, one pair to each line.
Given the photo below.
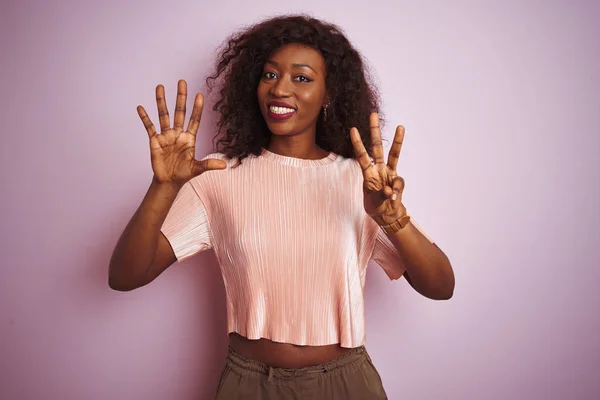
349, 165
340, 159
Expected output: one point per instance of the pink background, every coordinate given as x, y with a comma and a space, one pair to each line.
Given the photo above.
502, 113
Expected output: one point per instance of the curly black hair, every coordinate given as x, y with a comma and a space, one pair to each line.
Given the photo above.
238, 69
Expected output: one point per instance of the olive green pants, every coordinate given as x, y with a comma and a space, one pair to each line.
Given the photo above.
350, 377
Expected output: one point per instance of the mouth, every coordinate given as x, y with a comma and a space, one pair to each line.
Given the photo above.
279, 111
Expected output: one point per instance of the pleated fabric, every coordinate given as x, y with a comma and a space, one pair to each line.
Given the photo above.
293, 243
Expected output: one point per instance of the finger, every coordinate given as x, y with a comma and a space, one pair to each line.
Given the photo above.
196, 114
396, 147
386, 192
180, 105
359, 150
146, 121
397, 188
163, 111
376, 139
208, 165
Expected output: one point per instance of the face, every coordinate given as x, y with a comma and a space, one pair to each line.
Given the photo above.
292, 91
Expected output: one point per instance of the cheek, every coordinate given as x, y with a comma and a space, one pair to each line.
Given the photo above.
312, 100
262, 91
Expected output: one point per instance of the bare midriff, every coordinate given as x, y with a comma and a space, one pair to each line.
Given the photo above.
284, 355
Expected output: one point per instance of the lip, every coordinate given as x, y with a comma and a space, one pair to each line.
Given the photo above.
279, 104
279, 117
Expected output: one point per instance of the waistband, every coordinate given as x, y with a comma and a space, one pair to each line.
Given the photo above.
347, 359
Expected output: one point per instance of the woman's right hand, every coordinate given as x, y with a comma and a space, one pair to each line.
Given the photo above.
173, 150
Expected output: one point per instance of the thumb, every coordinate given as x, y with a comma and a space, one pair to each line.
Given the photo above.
209, 164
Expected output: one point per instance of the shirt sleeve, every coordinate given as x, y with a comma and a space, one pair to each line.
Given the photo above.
186, 226
386, 255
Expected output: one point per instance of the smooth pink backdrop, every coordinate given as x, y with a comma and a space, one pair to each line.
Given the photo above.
502, 114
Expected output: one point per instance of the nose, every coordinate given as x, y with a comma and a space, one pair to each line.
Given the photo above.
281, 88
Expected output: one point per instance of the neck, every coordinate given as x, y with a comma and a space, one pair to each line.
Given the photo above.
297, 147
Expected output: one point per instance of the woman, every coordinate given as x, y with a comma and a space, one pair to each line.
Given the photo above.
293, 207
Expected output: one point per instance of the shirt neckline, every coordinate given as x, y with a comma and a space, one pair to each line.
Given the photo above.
297, 162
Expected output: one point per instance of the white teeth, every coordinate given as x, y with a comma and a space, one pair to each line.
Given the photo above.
281, 110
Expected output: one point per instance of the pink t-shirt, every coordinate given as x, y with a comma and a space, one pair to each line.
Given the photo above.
293, 242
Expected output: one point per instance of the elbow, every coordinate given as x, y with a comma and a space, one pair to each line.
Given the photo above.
445, 289
120, 286
438, 294
121, 282
442, 290
444, 294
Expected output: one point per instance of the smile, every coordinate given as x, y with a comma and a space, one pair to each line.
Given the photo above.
280, 113
281, 110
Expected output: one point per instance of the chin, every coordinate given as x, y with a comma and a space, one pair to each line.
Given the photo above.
280, 130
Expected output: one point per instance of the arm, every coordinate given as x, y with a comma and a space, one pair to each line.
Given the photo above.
428, 270
142, 252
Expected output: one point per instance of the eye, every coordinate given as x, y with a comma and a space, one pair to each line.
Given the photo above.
269, 75
304, 79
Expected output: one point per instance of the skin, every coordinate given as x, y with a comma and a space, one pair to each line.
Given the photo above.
295, 75
428, 270
142, 252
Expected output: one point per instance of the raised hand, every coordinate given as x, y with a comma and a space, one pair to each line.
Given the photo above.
382, 186
173, 150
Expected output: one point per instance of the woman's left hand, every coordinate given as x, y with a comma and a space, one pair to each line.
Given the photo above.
382, 186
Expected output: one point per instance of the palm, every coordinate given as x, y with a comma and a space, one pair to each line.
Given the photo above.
172, 151
172, 154
381, 182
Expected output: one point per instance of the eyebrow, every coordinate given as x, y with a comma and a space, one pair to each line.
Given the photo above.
293, 65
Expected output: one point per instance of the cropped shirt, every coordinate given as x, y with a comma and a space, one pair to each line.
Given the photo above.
292, 240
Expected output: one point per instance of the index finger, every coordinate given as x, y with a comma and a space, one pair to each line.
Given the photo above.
359, 149
376, 138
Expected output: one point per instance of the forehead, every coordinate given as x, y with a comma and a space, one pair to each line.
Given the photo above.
295, 53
